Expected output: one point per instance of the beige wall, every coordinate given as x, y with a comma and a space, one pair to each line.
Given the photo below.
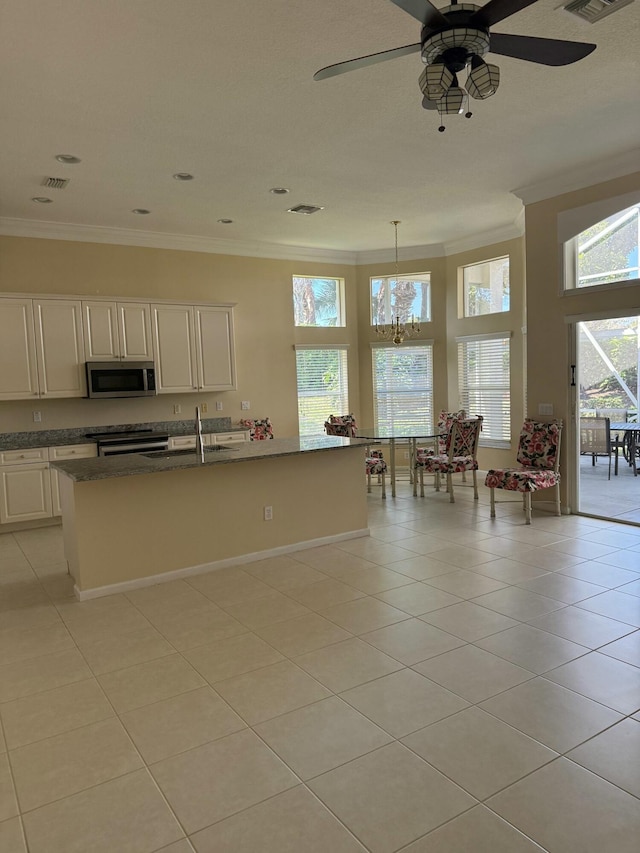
265, 335
548, 307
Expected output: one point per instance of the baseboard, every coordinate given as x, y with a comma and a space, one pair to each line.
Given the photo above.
177, 574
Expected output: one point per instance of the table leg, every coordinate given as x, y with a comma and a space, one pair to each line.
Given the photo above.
392, 446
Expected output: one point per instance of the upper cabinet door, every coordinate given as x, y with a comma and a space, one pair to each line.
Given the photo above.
216, 360
101, 341
175, 348
134, 324
18, 373
59, 348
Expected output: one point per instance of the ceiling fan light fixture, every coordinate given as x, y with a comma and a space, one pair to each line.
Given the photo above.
453, 102
435, 80
483, 79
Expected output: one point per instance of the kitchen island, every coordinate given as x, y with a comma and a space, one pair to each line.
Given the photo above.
138, 519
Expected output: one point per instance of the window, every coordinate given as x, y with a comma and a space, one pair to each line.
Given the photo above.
403, 385
485, 288
318, 301
483, 381
322, 386
406, 297
607, 253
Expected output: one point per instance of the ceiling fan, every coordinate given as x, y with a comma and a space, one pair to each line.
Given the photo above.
456, 38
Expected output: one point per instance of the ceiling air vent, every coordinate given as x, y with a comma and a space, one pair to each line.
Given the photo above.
307, 209
55, 183
594, 10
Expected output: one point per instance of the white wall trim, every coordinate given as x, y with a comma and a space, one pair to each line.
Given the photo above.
165, 577
244, 248
584, 176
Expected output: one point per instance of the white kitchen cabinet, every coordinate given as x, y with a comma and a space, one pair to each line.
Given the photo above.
194, 348
184, 442
215, 348
117, 330
18, 372
74, 451
25, 486
229, 437
174, 342
59, 347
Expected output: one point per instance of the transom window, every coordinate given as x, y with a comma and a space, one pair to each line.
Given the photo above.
318, 301
485, 288
403, 385
322, 386
607, 252
484, 385
406, 297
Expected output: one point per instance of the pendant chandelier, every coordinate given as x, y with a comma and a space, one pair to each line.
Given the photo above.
397, 331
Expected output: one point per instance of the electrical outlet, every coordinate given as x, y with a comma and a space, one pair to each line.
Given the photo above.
37, 417
406, 454
218, 406
177, 408
204, 408
245, 405
268, 513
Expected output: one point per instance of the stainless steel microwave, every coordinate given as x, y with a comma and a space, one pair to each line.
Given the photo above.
121, 379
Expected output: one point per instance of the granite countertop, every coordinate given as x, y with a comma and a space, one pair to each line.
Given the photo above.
78, 435
101, 468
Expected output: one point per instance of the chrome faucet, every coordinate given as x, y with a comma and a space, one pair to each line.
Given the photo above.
198, 426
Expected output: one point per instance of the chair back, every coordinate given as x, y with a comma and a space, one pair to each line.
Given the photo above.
465, 435
618, 416
595, 436
259, 430
539, 445
445, 422
341, 425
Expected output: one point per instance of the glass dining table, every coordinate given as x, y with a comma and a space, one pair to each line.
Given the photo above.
631, 442
410, 434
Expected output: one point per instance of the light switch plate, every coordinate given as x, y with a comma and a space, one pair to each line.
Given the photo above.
245, 405
545, 408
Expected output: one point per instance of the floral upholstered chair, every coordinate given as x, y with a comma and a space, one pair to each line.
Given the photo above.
259, 430
539, 459
443, 427
461, 456
345, 426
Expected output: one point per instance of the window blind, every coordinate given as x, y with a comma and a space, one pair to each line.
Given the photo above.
403, 385
484, 386
322, 386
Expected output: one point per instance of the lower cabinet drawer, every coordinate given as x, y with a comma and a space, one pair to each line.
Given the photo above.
228, 437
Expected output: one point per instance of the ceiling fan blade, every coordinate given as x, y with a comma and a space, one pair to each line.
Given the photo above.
498, 10
429, 105
423, 11
363, 61
543, 51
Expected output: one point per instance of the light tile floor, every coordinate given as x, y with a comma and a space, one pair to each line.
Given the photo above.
450, 685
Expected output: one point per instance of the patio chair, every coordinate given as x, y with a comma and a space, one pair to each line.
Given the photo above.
259, 430
461, 456
345, 426
595, 440
539, 459
619, 441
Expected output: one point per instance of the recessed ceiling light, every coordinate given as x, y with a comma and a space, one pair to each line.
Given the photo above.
42, 199
279, 190
141, 211
68, 158
225, 221
183, 176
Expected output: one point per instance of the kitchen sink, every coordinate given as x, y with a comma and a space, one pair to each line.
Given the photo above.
170, 454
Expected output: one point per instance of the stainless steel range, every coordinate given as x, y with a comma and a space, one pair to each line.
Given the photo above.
131, 441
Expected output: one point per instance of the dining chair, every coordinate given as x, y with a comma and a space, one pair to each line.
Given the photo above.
461, 455
539, 459
443, 427
345, 426
595, 440
259, 430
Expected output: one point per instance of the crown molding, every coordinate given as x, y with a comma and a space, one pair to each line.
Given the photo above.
156, 240
253, 249
584, 176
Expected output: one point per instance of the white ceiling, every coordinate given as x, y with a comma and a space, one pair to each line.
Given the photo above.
141, 89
